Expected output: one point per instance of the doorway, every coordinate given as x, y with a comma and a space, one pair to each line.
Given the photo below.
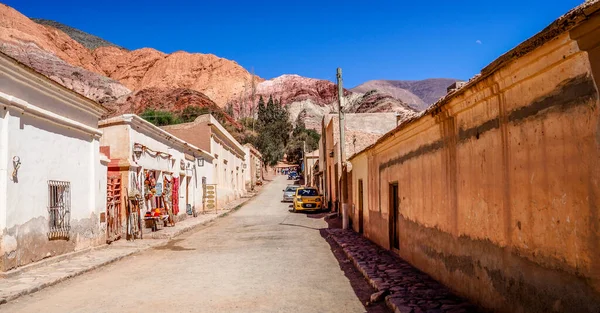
360, 206
393, 217
337, 182
113, 208
188, 181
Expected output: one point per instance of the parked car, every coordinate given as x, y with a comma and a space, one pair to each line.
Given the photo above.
293, 175
307, 199
289, 193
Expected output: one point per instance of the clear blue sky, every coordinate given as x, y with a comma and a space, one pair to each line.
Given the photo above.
378, 39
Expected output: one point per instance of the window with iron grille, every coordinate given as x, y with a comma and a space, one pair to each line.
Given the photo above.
59, 208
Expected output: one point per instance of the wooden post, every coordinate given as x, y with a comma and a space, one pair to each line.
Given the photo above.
342, 143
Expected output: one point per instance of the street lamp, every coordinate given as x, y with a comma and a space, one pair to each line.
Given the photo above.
137, 150
200, 161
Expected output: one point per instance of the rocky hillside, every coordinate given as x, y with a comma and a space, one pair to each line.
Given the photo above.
88, 83
218, 78
133, 81
87, 40
313, 98
419, 94
54, 54
116, 77
167, 99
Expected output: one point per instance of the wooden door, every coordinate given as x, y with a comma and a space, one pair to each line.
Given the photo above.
360, 206
113, 208
393, 216
187, 191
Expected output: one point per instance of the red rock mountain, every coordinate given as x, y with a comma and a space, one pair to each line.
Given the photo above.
132, 81
109, 73
166, 99
54, 54
220, 79
419, 94
312, 98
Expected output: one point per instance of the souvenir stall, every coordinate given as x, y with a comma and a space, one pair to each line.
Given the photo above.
157, 169
159, 211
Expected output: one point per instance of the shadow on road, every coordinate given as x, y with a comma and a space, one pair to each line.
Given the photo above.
172, 245
359, 284
296, 225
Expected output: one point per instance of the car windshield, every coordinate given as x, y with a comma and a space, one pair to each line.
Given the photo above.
308, 192
291, 188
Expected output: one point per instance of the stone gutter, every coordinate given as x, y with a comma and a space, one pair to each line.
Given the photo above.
405, 288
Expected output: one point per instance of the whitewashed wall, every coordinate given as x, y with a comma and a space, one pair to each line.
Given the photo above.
54, 134
230, 178
51, 152
121, 133
248, 159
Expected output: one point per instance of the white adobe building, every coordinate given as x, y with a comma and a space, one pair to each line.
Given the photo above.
229, 165
52, 175
141, 151
253, 170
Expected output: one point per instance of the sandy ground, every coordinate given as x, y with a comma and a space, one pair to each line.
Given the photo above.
261, 258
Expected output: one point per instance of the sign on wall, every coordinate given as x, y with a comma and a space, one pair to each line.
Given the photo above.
210, 197
159, 189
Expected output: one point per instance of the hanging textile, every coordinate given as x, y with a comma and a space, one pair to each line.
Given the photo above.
175, 195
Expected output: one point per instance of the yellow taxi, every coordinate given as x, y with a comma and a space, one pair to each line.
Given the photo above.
307, 199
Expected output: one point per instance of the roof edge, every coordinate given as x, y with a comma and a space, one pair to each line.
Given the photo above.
561, 25
150, 129
49, 84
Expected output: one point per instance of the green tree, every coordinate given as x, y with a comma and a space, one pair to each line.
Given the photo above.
190, 113
229, 109
301, 134
160, 118
273, 131
261, 107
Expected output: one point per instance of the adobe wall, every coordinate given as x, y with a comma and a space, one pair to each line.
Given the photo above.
359, 172
49, 152
499, 188
198, 134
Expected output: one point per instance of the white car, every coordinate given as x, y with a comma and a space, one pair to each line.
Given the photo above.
289, 192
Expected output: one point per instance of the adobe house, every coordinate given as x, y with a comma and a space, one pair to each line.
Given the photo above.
495, 190
52, 174
229, 166
141, 152
362, 129
252, 166
311, 159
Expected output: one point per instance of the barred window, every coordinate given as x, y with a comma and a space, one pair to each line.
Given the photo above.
59, 208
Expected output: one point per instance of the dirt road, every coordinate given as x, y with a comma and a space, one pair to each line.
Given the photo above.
261, 258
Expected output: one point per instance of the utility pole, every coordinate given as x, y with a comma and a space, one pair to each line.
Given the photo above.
252, 106
304, 161
342, 143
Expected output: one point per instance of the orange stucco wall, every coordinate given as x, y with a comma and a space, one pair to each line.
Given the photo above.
499, 189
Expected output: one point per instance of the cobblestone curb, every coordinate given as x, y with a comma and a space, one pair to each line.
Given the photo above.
406, 289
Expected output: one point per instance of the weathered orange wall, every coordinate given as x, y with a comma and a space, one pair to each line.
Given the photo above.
330, 164
499, 188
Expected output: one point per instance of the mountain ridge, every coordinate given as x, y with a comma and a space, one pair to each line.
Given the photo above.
86, 39
420, 94
131, 81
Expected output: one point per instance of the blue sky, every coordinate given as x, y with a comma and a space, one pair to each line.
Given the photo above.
378, 39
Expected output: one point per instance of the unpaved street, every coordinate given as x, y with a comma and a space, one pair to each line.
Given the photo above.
261, 258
